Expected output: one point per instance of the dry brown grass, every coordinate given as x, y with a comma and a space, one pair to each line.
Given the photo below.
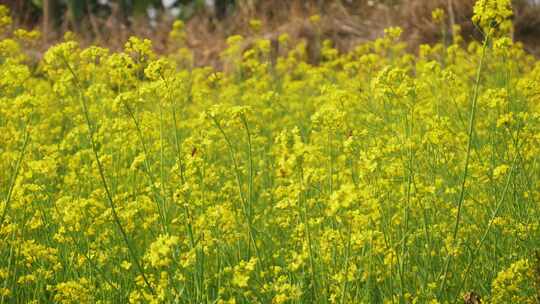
347, 23
350, 24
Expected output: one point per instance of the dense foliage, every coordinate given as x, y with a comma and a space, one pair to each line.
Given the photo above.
378, 176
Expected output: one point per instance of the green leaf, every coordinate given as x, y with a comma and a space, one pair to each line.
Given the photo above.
38, 3
77, 10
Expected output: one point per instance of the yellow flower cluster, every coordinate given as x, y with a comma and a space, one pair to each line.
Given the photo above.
491, 14
73, 292
5, 19
375, 176
516, 284
160, 252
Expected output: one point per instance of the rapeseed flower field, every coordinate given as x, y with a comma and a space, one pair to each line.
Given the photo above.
376, 176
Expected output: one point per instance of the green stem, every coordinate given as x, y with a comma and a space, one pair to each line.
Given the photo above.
251, 237
112, 205
14, 178
148, 171
467, 159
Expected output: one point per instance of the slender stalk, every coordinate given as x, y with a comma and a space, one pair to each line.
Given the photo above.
92, 263
175, 125
490, 224
467, 159
250, 182
14, 178
307, 231
251, 237
161, 168
158, 196
110, 200
347, 257
178, 144
11, 263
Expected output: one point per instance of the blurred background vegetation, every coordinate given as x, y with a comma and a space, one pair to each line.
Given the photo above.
209, 22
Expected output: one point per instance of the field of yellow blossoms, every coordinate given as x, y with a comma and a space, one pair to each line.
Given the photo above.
376, 176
